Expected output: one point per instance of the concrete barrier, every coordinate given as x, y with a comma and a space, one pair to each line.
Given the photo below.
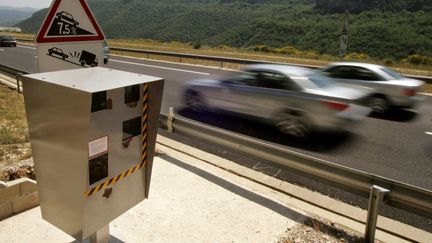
17, 196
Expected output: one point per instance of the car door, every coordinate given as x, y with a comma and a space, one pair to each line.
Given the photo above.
271, 92
233, 94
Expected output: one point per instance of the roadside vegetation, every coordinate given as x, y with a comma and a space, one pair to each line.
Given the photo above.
286, 54
14, 138
380, 29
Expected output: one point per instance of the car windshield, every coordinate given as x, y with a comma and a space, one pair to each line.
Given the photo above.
392, 73
320, 80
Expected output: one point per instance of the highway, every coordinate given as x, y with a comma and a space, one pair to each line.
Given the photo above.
397, 146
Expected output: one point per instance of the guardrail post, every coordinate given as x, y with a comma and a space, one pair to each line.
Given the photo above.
170, 119
221, 64
376, 197
18, 79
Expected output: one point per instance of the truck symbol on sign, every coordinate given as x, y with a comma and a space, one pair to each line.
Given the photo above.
83, 58
88, 58
67, 17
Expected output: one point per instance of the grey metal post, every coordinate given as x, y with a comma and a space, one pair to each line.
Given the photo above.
101, 236
376, 197
170, 119
18, 78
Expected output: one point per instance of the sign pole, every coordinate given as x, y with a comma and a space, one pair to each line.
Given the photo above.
344, 38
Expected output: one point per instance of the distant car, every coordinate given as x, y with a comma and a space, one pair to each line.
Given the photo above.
67, 17
105, 51
8, 41
296, 100
392, 89
58, 52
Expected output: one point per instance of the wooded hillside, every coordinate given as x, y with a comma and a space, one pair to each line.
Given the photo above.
378, 28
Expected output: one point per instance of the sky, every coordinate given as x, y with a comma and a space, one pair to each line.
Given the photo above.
38, 4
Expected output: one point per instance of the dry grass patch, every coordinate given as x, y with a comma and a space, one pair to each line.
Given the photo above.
318, 230
428, 88
18, 35
14, 138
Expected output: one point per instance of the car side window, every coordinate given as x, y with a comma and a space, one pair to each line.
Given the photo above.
273, 80
338, 72
360, 73
244, 78
350, 72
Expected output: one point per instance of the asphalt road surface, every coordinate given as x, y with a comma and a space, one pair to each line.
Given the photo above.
397, 146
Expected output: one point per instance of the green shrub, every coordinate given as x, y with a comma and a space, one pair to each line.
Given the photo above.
223, 47
388, 61
262, 48
287, 50
197, 45
356, 56
312, 54
418, 59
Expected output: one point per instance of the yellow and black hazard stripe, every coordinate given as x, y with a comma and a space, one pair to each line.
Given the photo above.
144, 125
130, 171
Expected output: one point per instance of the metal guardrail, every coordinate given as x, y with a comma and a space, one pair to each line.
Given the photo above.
17, 74
11, 70
378, 189
402, 196
222, 60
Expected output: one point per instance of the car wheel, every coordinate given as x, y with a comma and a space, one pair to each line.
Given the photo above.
292, 124
194, 101
63, 57
82, 63
379, 104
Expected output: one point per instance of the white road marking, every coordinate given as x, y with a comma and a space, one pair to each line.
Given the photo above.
167, 68
28, 47
428, 133
1, 50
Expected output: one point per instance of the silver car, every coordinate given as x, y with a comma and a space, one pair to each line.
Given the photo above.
391, 88
296, 100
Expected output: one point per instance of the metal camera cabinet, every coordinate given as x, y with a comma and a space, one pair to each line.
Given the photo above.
93, 134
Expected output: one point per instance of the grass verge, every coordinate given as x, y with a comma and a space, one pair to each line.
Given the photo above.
14, 138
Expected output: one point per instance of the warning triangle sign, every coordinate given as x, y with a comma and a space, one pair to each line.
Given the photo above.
69, 21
